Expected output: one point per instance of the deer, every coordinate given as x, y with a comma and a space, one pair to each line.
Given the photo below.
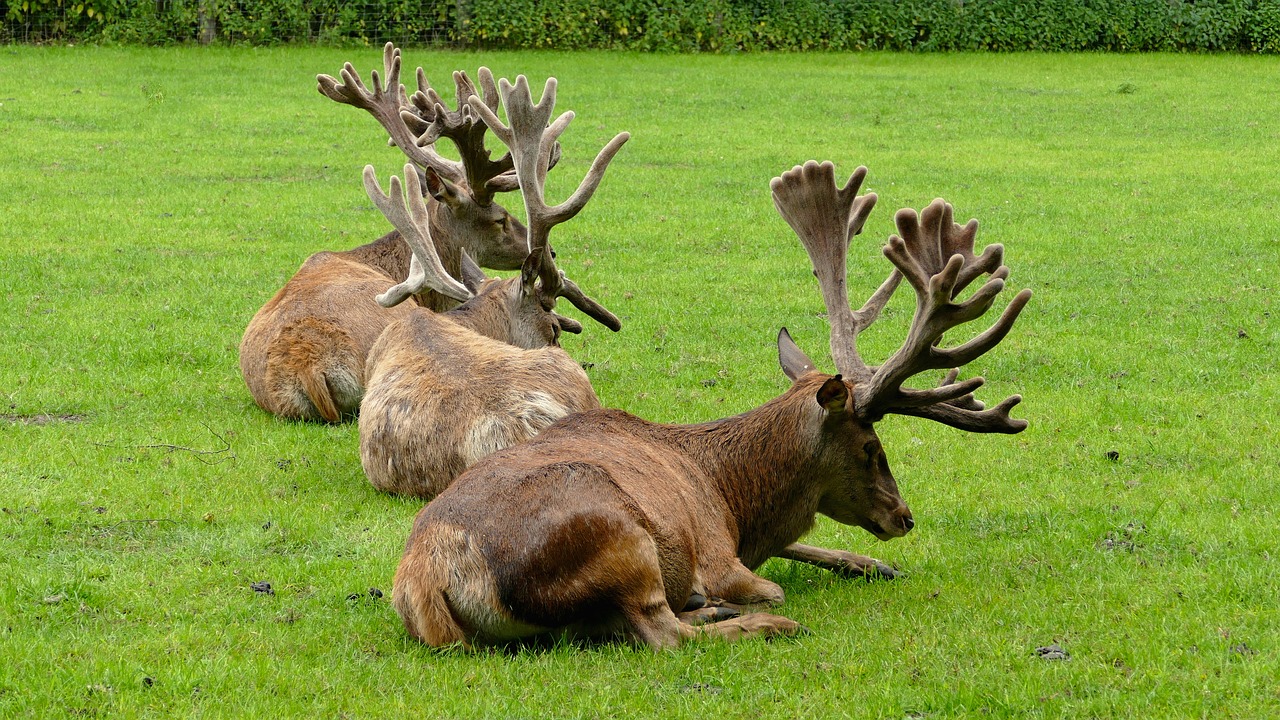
445, 390
303, 353
608, 524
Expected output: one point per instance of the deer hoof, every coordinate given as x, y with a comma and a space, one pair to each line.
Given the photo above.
771, 626
881, 571
708, 614
695, 601
860, 566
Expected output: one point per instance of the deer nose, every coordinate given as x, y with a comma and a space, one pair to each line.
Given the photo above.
908, 523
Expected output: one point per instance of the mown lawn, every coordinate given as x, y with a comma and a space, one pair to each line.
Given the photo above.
151, 200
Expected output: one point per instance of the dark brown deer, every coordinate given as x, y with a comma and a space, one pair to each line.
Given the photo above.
606, 522
303, 353
446, 390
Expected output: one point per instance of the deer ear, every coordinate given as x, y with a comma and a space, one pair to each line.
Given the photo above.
792, 359
833, 394
529, 272
442, 190
472, 276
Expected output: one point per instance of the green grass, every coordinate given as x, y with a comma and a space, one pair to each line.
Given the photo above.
152, 200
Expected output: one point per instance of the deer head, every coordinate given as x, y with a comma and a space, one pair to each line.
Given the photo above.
493, 307
936, 257
527, 304
463, 214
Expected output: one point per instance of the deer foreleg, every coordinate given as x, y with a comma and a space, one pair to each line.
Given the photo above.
660, 629
746, 626
733, 585
840, 562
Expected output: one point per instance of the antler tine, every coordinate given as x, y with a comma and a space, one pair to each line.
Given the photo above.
510, 181
826, 218
425, 269
570, 291
993, 420
935, 256
433, 119
532, 142
385, 103
958, 240
935, 238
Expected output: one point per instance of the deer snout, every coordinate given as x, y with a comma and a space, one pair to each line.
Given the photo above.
898, 523
901, 522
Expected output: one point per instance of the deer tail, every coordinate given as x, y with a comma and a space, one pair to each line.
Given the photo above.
314, 368
317, 391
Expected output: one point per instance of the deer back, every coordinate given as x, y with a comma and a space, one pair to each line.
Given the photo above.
391, 255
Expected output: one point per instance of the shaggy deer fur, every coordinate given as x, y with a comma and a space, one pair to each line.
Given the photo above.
606, 522
303, 353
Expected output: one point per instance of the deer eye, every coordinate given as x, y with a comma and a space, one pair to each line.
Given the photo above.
872, 450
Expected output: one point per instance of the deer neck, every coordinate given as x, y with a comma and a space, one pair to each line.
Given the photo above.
760, 462
485, 314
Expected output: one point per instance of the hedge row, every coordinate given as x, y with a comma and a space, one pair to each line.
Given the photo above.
667, 25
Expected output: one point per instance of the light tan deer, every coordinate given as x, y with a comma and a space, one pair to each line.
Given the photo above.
303, 353
606, 522
445, 390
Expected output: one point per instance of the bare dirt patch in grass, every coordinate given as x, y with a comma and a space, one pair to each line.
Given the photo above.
43, 418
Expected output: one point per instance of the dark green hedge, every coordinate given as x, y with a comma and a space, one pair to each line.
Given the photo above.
668, 25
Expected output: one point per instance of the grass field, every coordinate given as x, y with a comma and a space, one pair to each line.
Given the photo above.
152, 200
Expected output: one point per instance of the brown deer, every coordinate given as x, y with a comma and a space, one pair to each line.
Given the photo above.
303, 353
606, 522
444, 390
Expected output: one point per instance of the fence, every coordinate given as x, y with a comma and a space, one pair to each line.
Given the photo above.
665, 25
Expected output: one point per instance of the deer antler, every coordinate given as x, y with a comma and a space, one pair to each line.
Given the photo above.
416, 122
826, 219
533, 143
936, 257
425, 269
385, 104
431, 119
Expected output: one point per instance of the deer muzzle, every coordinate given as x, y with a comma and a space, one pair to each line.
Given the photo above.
894, 525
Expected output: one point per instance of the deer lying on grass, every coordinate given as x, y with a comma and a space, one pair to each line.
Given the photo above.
606, 522
446, 390
303, 353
